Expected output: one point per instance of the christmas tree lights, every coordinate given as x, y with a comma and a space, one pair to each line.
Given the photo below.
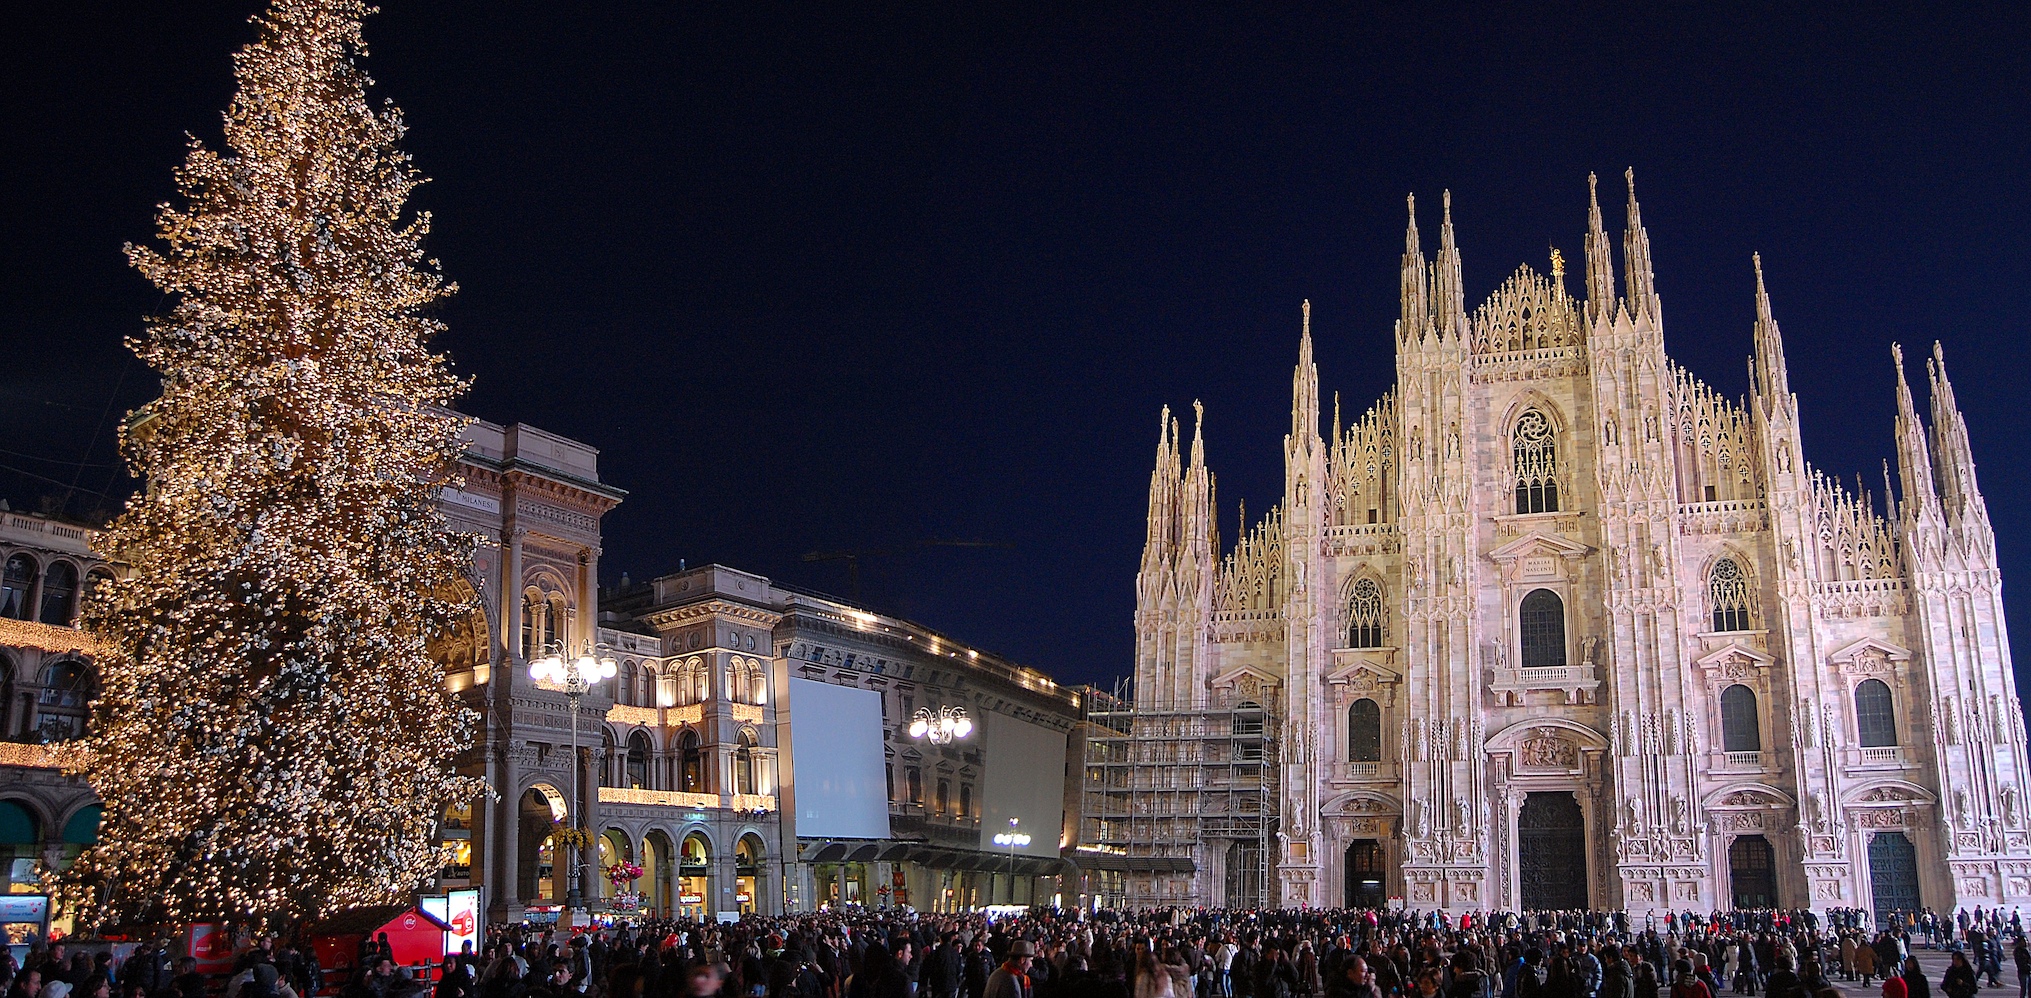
272, 737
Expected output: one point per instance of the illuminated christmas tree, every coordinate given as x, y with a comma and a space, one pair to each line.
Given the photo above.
272, 738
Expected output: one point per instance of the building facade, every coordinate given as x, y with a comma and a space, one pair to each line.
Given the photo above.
938, 805
47, 682
1553, 624
682, 758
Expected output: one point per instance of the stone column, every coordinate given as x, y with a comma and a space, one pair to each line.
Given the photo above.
503, 858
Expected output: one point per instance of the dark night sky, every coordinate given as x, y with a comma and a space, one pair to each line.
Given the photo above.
815, 279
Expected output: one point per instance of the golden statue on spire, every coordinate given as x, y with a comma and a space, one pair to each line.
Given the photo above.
1558, 267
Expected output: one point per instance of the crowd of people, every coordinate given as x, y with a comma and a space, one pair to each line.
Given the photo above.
1169, 953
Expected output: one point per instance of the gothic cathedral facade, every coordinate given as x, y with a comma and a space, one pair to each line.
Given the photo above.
1555, 625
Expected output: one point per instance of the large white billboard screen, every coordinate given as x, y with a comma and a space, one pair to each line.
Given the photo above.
836, 761
1025, 780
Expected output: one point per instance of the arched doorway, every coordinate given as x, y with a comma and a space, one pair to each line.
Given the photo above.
694, 877
542, 875
20, 844
747, 872
1366, 887
614, 849
1893, 874
1752, 872
656, 873
1244, 874
1551, 852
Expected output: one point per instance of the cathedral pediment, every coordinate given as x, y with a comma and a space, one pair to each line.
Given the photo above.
1750, 795
1365, 678
1869, 655
1247, 682
1890, 792
1540, 544
1733, 661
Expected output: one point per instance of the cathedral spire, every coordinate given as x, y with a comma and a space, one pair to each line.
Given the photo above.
1960, 498
1773, 381
1914, 456
1163, 494
1636, 256
1305, 386
1600, 258
1198, 434
1450, 296
1197, 531
1416, 292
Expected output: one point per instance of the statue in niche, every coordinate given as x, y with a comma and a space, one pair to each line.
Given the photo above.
1590, 646
1949, 718
2012, 802
1963, 809
1678, 815
1418, 828
1462, 816
1452, 441
1635, 819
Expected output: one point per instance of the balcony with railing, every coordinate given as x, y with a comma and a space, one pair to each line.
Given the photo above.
1579, 683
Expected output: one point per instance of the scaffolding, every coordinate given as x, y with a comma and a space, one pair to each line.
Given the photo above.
1177, 782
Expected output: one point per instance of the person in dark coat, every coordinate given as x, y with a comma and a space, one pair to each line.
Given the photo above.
944, 969
1959, 981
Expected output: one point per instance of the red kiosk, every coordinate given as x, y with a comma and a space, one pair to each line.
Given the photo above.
416, 937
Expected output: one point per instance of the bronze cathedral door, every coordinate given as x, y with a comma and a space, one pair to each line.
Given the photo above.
1551, 852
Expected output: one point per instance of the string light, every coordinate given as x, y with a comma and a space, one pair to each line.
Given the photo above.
272, 738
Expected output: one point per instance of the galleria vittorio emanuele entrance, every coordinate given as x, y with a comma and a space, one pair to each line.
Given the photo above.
1551, 852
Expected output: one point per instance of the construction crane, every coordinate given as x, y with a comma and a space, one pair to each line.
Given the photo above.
852, 558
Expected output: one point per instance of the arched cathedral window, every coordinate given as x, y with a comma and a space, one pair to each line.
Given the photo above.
1536, 454
1541, 624
1364, 615
1364, 731
1740, 729
1728, 589
1875, 714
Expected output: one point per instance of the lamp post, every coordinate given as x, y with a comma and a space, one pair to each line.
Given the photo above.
1012, 839
576, 677
943, 727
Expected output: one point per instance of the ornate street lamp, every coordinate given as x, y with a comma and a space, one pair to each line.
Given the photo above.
1012, 840
947, 724
576, 677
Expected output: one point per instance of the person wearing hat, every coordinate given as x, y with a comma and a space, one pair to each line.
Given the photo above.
1012, 978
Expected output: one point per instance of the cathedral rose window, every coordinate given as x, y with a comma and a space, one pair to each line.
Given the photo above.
1536, 453
1728, 589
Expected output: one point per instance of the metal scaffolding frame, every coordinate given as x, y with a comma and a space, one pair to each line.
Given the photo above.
1165, 781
